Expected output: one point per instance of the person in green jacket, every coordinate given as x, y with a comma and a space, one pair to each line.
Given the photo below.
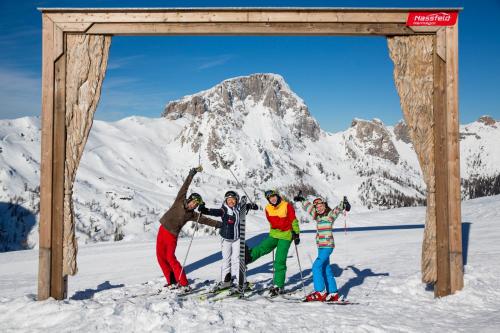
284, 229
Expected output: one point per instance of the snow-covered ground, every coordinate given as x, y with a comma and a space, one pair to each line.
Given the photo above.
376, 263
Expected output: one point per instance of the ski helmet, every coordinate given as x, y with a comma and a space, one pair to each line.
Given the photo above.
194, 197
231, 194
270, 193
318, 201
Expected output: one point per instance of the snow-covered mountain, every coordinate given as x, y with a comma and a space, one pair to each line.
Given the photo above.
254, 127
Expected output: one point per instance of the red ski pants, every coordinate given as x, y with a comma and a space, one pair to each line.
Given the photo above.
166, 243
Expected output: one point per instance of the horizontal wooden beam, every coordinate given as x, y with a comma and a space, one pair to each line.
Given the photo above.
256, 16
259, 29
249, 9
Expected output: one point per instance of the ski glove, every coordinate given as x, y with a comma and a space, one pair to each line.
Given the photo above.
296, 238
299, 198
253, 206
346, 205
193, 171
202, 209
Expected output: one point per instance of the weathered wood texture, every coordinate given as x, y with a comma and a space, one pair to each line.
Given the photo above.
242, 21
242, 15
58, 288
87, 58
453, 136
413, 75
252, 28
45, 247
442, 286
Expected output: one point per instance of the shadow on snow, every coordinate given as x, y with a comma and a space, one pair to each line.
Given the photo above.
16, 223
89, 293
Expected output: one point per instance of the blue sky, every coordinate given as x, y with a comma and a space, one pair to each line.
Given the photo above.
338, 77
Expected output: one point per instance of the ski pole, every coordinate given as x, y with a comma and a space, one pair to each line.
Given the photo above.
273, 264
345, 223
199, 149
300, 269
241, 186
189, 247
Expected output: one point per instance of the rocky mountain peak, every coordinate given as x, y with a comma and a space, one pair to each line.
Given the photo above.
374, 139
242, 95
487, 120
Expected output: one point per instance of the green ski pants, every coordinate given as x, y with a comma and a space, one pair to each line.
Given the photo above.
282, 246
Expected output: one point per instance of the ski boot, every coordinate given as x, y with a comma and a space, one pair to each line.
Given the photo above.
185, 289
315, 297
332, 297
275, 291
171, 286
222, 285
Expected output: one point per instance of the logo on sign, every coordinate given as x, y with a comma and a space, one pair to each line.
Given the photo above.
432, 18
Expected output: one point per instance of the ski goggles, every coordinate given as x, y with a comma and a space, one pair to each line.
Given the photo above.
196, 198
270, 193
318, 201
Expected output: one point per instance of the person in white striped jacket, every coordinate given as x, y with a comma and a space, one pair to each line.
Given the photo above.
230, 234
325, 287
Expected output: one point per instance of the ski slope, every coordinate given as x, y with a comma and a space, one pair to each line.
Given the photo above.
376, 263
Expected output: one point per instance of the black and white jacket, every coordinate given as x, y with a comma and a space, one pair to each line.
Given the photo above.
230, 217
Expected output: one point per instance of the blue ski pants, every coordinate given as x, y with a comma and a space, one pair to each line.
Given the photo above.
322, 272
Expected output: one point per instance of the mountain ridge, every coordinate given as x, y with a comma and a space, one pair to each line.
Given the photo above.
131, 169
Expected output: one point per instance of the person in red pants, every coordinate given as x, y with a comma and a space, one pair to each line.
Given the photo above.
181, 211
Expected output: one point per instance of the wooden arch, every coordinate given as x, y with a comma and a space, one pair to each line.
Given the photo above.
61, 24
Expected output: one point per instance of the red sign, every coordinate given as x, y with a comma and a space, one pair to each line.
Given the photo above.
432, 18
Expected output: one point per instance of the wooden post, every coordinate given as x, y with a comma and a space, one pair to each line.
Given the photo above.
447, 164
45, 244
51, 282
442, 287
58, 287
453, 133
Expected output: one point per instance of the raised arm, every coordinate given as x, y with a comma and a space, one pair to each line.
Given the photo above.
344, 205
336, 212
309, 208
207, 221
181, 195
211, 211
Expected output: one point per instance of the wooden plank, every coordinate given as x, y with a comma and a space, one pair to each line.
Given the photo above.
425, 29
442, 287
254, 29
441, 46
58, 42
242, 15
57, 288
454, 194
74, 27
46, 159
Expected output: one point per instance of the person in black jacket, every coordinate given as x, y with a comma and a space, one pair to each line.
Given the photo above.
230, 233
